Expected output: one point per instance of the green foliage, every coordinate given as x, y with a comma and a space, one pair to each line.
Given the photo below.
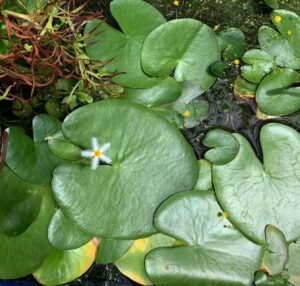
256, 194
272, 3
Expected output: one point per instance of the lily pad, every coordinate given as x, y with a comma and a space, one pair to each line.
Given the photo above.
205, 179
30, 159
262, 279
272, 3
123, 49
217, 253
24, 253
276, 253
275, 96
244, 89
164, 92
143, 171
259, 64
110, 250
284, 45
132, 263
19, 205
64, 266
257, 194
63, 235
232, 43
195, 50
292, 271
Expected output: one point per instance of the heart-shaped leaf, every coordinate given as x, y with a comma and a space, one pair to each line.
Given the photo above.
63, 235
110, 250
232, 43
217, 254
132, 263
136, 19
285, 45
64, 266
24, 253
144, 170
257, 194
19, 205
275, 96
276, 253
164, 92
259, 64
32, 160
195, 50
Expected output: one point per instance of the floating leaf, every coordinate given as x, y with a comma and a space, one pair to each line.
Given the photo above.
257, 194
32, 160
24, 253
195, 50
232, 43
275, 96
285, 45
262, 279
276, 253
272, 3
217, 254
132, 264
64, 266
259, 64
219, 69
19, 205
63, 148
204, 180
166, 91
292, 272
63, 235
136, 19
144, 170
110, 250
244, 89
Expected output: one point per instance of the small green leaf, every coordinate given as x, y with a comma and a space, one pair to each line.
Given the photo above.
232, 43
219, 69
292, 268
272, 3
262, 279
244, 88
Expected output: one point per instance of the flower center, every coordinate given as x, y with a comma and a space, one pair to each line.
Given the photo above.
97, 153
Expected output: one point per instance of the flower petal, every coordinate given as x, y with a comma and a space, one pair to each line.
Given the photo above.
95, 144
105, 147
95, 163
87, 153
105, 159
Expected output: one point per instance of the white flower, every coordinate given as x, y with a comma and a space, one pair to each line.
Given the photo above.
97, 153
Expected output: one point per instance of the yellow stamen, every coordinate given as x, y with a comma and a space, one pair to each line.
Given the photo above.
97, 153
236, 62
187, 114
290, 33
176, 3
225, 214
278, 19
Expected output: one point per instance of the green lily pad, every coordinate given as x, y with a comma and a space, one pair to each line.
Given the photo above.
217, 253
219, 69
110, 250
259, 64
292, 271
65, 266
195, 50
262, 279
257, 194
284, 45
136, 19
63, 235
143, 172
244, 88
276, 253
274, 95
132, 263
63, 148
232, 43
30, 159
24, 253
272, 3
20, 203
165, 92
205, 179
